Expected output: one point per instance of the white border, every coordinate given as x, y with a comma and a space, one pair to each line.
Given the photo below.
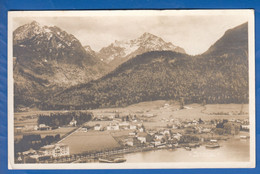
182, 165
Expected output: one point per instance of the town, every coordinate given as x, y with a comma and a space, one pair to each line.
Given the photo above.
106, 137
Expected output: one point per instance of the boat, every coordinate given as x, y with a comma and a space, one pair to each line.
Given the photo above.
119, 160
212, 145
213, 141
188, 148
193, 145
112, 160
225, 138
244, 137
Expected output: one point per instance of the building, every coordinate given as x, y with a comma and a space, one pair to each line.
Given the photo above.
112, 127
133, 142
132, 133
29, 152
174, 126
139, 124
149, 115
177, 136
141, 136
18, 129
194, 122
55, 150
152, 133
206, 130
245, 127
159, 137
245, 121
141, 129
156, 143
31, 127
84, 129
43, 127
142, 139
73, 122
97, 127
166, 132
124, 125
130, 142
132, 127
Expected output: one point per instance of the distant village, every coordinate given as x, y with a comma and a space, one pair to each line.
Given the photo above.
178, 133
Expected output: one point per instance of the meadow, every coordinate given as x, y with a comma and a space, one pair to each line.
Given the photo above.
162, 112
80, 142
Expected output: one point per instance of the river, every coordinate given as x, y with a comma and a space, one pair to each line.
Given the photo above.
232, 150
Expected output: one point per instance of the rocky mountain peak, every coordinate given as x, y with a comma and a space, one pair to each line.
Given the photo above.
27, 31
147, 36
47, 58
89, 50
120, 51
219, 76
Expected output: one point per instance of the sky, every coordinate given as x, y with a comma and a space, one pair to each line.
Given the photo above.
194, 33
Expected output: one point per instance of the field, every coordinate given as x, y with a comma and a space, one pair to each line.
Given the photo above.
163, 111
93, 123
156, 114
62, 131
24, 123
80, 142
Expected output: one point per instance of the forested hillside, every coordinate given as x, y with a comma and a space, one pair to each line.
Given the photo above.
218, 76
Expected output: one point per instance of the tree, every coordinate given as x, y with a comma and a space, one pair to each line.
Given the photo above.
181, 103
201, 121
231, 128
219, 131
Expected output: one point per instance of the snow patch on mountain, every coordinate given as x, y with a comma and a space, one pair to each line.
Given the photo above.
129, 48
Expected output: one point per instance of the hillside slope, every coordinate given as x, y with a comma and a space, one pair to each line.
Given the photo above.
218, 76
47, 59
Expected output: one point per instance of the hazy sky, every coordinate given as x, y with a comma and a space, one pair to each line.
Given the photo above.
193, 33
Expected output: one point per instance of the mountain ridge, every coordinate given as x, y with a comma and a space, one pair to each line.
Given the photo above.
218, 76
120, 51
49, 55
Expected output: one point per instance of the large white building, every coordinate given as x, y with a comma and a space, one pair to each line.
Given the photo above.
55, 150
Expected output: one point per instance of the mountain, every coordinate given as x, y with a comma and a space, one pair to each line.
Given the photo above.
239, 44
47, 59
90, 51
121, 51
220, 75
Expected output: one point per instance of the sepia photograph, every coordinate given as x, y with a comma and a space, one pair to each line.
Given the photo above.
125, 89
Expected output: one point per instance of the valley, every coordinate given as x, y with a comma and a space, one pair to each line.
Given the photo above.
154, 116
131, 96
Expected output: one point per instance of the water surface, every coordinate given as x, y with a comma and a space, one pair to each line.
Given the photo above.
232, 150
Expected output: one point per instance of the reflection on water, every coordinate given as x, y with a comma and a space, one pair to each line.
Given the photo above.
233, 150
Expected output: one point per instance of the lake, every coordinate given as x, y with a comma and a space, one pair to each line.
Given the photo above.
232, 150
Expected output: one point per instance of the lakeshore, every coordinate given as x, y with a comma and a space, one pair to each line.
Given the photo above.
231, 149
139, 130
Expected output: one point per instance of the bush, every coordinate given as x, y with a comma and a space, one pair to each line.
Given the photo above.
188, 139
219, 131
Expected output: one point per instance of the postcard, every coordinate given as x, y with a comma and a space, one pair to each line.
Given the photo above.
131, 89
